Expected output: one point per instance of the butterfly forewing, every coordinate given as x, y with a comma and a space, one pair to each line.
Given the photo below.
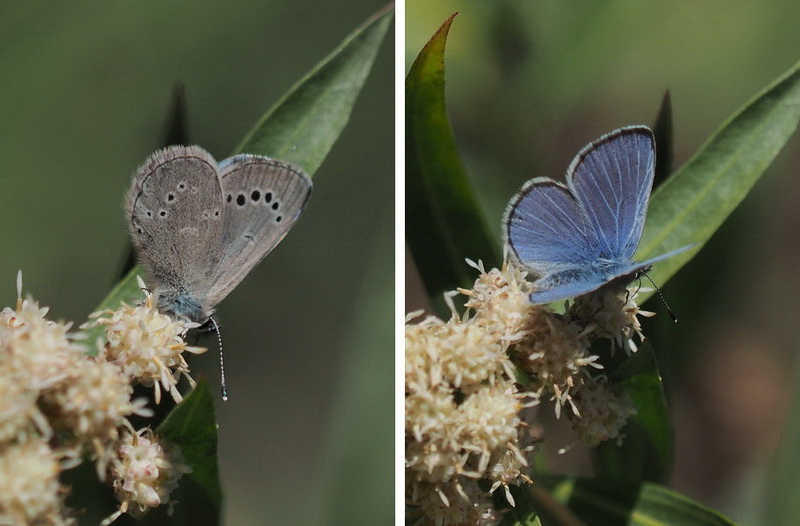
263, 198
545, 228
612, 179
175, 211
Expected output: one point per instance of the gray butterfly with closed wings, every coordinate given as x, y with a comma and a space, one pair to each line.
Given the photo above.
199, 227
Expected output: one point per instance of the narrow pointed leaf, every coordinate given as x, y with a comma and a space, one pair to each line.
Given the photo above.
662, 130
690, 206
444, 224
622, 504
304, 124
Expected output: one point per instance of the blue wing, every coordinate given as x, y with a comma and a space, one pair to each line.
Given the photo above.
612, 178
546, 229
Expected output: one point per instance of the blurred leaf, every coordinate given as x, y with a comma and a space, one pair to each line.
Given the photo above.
192, 426
176, 133
360, 441
304, 124
781, 506
690, 206
647, 450
177, 127
662, 130
444, 224
617, 504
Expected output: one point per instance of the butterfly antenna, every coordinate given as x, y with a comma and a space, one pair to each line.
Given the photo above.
223, 386
663, 299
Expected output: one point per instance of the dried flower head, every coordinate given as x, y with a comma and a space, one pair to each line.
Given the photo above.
93, 403
143, 473
603, 411
147, 345
611, 314
30, 493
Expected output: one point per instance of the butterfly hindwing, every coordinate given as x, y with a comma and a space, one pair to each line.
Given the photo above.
263, 198
174, 210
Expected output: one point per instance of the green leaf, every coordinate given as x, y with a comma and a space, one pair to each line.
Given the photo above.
192, 426
304, 124
690, 206
444, 224
616, 504
647, 450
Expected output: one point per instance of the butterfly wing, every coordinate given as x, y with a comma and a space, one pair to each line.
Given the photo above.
545, 228
612, 178
174, 210
263, 199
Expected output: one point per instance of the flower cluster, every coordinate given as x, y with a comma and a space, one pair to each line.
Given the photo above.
58, 405
469, 379
148, 346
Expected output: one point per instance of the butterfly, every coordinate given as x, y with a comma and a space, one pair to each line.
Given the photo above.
580, 236
199, 227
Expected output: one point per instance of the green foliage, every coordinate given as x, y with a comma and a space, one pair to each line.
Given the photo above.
572, 501
647, 449
192, 425
692, 204
443, 221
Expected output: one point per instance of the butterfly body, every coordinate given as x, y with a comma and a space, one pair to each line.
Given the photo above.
580, 236
199, 226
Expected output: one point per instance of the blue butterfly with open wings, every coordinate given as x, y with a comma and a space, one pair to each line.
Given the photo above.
580, 236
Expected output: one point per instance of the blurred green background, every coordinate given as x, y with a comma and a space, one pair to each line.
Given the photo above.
85, 92
530, 83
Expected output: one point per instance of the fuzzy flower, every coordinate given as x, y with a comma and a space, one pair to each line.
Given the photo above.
612, 314
603, 412
94, 404
147, 345
500, 301
470, 378
452, 503
556, 354
144, 473
30, 493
